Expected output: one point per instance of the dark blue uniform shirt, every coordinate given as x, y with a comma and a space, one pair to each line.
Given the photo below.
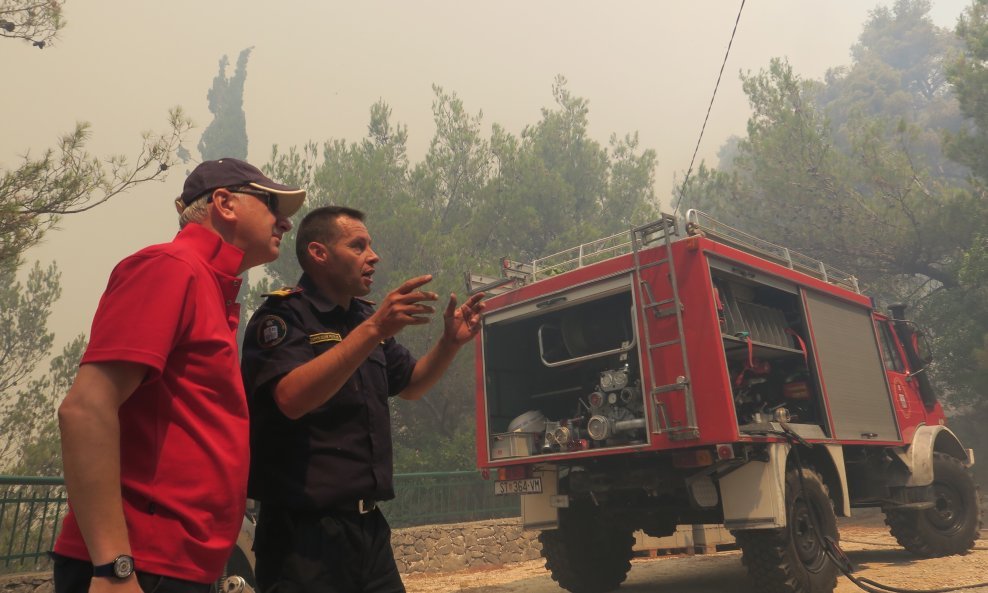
341, 451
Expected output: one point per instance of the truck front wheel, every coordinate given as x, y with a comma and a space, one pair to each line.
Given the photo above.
794, 559
951, 526
587, 555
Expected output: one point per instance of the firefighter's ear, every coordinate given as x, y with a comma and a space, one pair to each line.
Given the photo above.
318, 252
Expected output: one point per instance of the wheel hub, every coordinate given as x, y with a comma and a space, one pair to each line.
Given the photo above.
806, 539
947, 514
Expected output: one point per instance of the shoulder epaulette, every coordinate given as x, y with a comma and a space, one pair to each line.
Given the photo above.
284, 291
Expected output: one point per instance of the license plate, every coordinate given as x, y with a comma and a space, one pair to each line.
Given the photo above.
526, 486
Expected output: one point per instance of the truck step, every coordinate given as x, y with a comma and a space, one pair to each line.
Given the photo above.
686, 551
687, 540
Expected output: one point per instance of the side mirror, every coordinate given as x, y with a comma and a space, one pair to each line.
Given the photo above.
921, 346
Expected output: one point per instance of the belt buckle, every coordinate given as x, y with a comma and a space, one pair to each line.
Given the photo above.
364, 510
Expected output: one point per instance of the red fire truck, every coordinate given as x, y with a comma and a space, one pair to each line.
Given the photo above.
694, 374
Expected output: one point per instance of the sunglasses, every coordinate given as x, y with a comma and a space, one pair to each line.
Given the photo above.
269, 199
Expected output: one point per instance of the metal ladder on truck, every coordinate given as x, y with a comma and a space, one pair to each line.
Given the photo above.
663, 230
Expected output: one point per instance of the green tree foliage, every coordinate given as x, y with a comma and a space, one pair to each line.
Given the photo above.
850, 170
471, 200
24, 317
35, 21
69, 180
33, 198
370, 175
36, 432
556, 187
226, 135
968, 73
969, 146
28, 433
904, 40
34, 195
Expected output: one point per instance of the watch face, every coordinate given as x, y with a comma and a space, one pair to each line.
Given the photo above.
123, 567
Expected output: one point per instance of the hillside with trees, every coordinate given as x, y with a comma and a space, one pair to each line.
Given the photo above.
879, 169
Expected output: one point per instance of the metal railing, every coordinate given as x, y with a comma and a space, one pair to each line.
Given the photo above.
31, 510
446, 497
581, 255
515, 274
697, 221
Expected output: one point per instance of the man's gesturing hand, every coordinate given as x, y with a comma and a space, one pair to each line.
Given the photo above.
461, 324
403, 306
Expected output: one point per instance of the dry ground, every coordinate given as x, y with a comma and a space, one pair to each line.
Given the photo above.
865, 539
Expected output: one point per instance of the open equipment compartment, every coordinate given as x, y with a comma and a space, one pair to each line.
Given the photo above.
764, 332
562, 374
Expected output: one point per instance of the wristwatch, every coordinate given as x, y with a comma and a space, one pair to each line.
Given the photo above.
121, 567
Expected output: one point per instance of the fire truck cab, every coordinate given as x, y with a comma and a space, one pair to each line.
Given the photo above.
692, 373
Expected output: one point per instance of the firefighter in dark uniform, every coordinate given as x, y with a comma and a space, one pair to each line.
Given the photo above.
319, 364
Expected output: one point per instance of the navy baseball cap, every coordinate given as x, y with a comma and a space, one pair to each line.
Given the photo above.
230, 172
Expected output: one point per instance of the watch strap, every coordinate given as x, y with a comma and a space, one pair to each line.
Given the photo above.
103, 570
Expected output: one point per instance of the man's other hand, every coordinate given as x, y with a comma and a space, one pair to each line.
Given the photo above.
461, 324
403, 307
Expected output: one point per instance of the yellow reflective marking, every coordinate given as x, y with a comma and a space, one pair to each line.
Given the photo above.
325, 337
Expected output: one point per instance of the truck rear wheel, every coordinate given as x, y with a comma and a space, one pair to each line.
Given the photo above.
794, 559
951, 526
587, 555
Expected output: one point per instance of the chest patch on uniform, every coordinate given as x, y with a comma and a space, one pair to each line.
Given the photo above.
271, 331
325, 337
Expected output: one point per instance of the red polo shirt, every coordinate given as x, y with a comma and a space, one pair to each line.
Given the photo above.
184, 431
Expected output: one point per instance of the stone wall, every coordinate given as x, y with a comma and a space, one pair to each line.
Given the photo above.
447, 548
38, 582
432, 548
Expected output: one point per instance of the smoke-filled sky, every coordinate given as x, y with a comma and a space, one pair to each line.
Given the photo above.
317, 66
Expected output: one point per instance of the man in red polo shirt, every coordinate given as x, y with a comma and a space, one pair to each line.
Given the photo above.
154, 429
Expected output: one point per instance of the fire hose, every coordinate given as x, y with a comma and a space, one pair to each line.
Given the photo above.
832, 548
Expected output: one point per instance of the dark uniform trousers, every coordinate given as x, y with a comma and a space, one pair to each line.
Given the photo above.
73, 576
324, 552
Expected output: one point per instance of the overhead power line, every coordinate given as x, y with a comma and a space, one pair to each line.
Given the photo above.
682, 190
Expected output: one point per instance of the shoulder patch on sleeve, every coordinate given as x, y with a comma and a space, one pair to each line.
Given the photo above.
271, 331
283, 292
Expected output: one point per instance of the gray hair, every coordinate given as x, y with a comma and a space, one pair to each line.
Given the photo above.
196, 211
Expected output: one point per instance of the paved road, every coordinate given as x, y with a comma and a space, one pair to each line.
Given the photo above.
722, 572
869, 548
715, 573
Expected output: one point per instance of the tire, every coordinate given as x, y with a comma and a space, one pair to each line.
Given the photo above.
952, 525
793, 559
586, 555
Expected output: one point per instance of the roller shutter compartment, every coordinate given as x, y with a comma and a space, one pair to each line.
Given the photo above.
851, 369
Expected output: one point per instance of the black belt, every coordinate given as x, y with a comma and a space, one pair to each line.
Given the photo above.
362, 506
